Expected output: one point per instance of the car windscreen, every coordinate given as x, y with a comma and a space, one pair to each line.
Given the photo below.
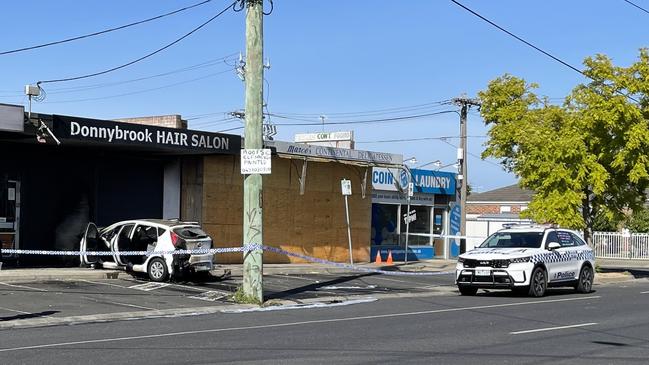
192, 232
513, 240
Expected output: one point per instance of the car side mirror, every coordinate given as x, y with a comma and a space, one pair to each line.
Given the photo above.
553, 246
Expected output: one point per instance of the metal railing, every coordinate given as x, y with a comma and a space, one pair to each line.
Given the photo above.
617, 245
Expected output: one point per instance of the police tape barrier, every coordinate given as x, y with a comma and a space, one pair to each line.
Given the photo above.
123, 253
244, 249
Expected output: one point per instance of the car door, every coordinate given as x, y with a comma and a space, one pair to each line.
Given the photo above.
122, 243
90, 242
565, 266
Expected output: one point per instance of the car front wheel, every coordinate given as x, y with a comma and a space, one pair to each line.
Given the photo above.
585, 283
538, 283
157, 269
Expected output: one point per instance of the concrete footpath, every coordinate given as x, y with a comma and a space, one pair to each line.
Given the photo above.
608, 270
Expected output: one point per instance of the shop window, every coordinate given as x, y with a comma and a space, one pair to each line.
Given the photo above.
385, 224
420, 226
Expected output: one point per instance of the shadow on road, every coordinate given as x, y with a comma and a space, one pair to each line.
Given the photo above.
315, 286
28, 316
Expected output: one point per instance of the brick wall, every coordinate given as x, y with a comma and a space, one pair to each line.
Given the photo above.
169, 121
311, 224
474, 208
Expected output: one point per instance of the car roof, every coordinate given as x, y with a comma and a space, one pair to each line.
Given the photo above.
160, 222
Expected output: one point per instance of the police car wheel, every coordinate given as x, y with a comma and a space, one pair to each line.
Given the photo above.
585, 283
538, 283
468, 290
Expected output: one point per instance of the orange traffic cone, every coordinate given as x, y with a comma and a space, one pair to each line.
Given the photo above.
378, 257
389, 260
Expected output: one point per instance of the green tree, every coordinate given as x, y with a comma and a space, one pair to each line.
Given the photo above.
587, 157
639, 221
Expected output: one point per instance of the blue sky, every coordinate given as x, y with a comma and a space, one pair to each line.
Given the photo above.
327, 58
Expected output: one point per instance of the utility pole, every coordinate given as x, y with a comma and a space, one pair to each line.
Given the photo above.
252, 184
465, 103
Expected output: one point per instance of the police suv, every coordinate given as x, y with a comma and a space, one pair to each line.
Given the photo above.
527, 259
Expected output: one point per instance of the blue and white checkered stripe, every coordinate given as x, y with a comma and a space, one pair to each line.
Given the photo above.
556, 256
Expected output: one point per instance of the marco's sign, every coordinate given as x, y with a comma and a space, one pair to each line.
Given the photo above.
128, 134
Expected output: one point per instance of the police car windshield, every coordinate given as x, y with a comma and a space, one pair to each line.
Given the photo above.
513, 240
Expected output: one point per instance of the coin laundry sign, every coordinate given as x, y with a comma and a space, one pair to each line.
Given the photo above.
117, 133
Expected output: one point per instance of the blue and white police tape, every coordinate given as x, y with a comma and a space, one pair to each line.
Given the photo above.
244, 248
251, 247
122, 253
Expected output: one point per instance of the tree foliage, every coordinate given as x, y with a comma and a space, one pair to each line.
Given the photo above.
639, 221
584, 158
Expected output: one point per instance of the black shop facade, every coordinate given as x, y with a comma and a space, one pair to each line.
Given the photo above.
58, 173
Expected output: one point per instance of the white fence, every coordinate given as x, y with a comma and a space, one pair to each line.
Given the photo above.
616, 245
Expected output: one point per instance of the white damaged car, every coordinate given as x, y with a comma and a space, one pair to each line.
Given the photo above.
527, 259
156, 238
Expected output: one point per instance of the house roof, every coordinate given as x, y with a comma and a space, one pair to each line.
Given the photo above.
511, 193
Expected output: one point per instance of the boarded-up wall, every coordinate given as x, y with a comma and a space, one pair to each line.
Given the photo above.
311, 224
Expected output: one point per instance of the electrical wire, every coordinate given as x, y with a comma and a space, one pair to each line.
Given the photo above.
139, 91
470, 154
66, 90
382, 120
141, 58
375, 111
637, 6
104, 31
417, 139
538, 49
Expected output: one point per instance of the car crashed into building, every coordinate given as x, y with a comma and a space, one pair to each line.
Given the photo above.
148, 246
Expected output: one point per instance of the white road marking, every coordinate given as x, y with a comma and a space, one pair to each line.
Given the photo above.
132, 305
299, 306
334, 287
552, 328
293, 277
14, 310
108, 284
210, 296
288, 324
23, 287
149, 286
644, 292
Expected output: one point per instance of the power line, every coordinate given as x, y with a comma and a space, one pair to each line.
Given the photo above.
379, 111
417, 139
359, 121
141, 91
66, 90
469, 153
637, 6
104, 31
539, 49
143, 57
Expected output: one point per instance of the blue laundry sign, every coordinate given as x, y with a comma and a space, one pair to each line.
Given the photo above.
455, 225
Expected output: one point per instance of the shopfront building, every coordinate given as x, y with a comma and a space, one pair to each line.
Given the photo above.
102, 172
429, 213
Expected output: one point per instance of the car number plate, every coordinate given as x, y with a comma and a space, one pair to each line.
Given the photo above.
479, 272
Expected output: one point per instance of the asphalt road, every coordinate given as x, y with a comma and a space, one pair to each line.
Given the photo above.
608, 326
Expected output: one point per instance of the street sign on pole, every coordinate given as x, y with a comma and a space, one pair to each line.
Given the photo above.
346, 186
410, 217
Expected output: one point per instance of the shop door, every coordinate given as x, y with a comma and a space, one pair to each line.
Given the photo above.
9, 215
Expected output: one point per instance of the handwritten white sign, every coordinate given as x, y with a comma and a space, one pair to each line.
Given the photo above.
255, 161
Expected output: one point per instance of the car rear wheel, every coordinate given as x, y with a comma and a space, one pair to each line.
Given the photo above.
467, 290
538, 283
585, 283
157, 269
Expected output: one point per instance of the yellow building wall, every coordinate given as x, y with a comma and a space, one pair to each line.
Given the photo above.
312, 224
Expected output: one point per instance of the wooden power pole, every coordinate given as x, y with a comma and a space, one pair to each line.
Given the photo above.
252, 184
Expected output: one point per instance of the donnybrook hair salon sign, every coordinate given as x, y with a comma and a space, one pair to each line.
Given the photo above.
121, 134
